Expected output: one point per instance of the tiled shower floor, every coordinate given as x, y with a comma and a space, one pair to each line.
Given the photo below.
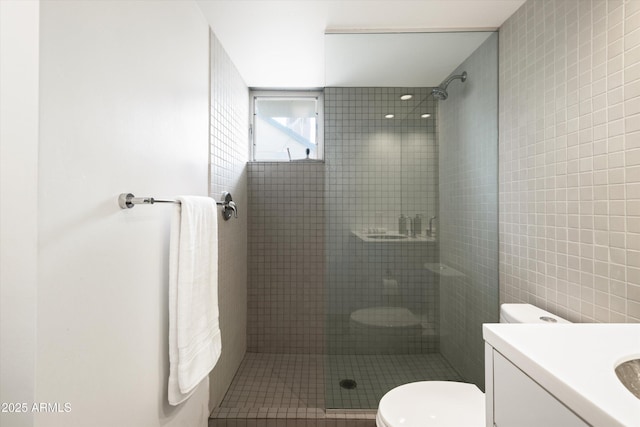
277, 381
377, 374
267, 384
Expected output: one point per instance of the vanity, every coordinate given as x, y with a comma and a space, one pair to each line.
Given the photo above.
561, 375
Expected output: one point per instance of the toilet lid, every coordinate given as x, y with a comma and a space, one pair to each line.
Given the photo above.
432, 404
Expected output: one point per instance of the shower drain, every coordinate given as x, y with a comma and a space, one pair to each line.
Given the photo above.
348, 384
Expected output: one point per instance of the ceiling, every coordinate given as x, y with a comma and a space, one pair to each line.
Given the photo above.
396, 59
281, 43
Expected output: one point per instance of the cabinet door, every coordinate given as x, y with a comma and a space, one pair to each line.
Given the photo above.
521, 402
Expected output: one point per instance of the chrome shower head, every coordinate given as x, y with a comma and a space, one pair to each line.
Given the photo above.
440, 92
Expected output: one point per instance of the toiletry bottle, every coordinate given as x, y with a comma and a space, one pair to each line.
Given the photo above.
432, 228
417, 225
402, 224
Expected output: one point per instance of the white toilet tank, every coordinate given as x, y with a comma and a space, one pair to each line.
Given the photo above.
449, 403
527, 313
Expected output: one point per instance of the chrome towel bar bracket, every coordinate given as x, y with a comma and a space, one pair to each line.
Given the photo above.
128, 201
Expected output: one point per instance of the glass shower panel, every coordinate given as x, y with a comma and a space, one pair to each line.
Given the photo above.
410, 233
380, 190
468, 131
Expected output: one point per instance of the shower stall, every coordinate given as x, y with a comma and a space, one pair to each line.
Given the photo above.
377, 266
411, 232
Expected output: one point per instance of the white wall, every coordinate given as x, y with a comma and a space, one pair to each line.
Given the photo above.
18, 207
124, 108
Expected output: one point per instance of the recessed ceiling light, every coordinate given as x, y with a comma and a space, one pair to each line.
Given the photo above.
406, 97
425, 116
389, 116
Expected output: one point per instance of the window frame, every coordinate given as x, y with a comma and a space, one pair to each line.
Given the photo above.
317, 93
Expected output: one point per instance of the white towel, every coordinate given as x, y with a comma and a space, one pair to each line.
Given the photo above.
194, 331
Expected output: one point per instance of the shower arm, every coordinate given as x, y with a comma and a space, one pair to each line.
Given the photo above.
462, 77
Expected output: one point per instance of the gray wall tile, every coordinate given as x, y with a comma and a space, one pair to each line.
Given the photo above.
286, 257
229, 155
569, 144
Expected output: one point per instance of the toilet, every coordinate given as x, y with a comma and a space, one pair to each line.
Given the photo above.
449, 403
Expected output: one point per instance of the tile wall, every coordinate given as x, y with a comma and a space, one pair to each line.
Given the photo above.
468, 218
229, 124
376, 170
286, 257
570, 158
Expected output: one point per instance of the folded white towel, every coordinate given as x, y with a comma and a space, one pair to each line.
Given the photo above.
194, 331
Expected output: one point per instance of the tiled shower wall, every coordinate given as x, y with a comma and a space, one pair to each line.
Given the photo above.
374, 170
377, 169
228, 138
286, 257
468, 124
570, 158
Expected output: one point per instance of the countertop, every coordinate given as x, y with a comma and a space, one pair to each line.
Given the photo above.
576, 363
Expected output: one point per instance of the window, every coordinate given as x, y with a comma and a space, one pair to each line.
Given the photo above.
286, 124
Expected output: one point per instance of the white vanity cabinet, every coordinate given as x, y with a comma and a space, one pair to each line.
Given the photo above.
515, 400
559, 375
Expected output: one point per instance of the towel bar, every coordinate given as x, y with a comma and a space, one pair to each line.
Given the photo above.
128, 201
